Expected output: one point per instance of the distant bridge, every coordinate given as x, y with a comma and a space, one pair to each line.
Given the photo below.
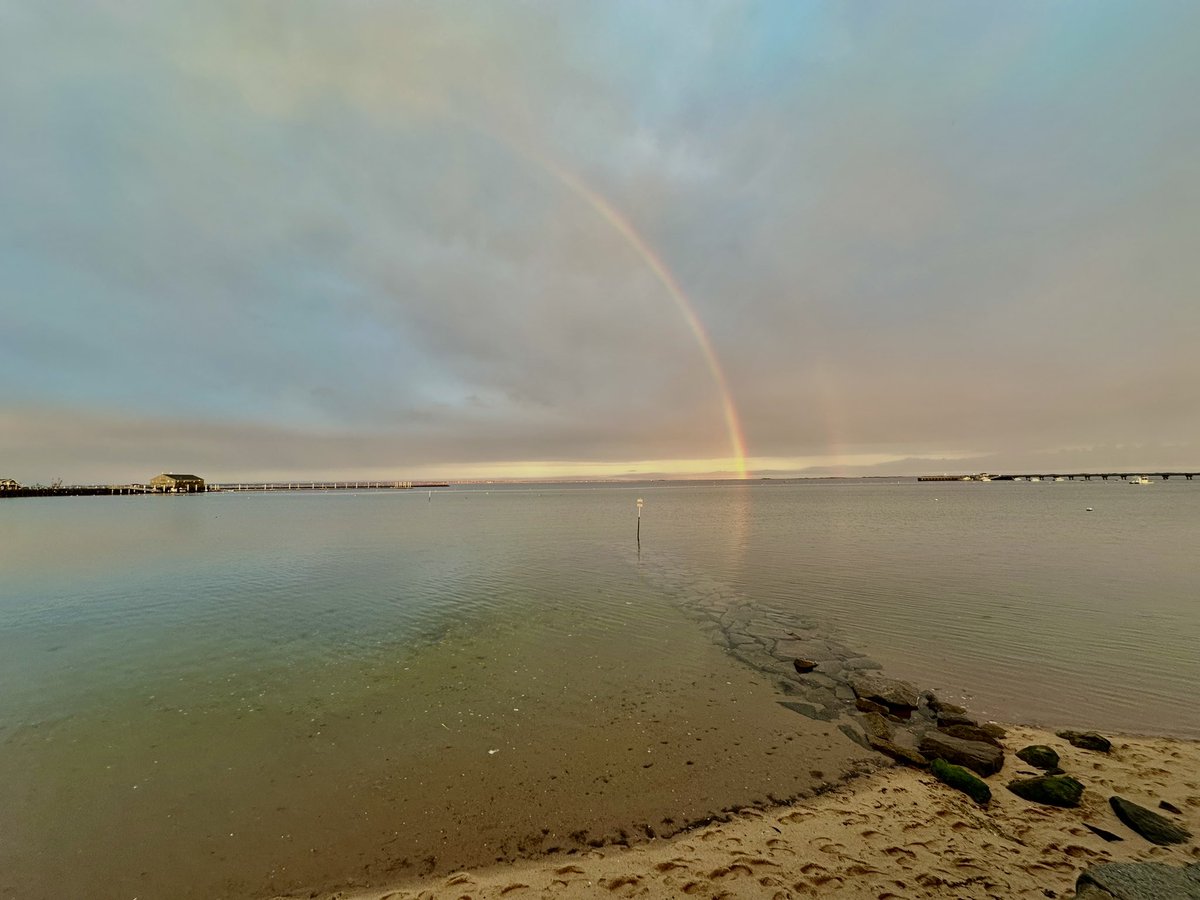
1061, 476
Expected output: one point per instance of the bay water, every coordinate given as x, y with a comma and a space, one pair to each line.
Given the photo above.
230, 694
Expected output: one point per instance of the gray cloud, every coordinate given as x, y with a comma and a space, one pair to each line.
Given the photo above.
305, 237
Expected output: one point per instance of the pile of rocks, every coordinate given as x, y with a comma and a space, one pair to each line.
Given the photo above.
829, 681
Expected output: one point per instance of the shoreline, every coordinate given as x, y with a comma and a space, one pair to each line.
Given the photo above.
889, 828
893, 833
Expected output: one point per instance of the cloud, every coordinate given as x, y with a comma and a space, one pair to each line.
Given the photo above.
331, 236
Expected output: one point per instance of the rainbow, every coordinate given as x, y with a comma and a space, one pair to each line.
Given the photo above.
645, 252
666, 277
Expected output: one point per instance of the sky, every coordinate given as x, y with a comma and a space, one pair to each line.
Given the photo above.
259, 239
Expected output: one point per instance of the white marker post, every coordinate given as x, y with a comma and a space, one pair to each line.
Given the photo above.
639, 525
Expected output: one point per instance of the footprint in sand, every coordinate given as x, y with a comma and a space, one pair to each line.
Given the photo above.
669, 866
737, 869
615, 884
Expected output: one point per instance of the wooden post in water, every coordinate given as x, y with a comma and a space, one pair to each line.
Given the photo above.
639, 524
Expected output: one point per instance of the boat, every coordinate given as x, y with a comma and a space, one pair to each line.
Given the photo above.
1139, 479
1035, 477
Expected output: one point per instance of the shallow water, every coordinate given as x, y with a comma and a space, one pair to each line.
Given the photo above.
232, 694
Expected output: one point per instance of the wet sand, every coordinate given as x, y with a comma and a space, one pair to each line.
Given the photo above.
897, 833
481, 747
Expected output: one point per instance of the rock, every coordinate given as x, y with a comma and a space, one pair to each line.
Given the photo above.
949, 720
1052, 790
844, 693
870, 706
1150, 825
1140, 881
996, 731
960, 779
941, 706
986, 759
855, 734
804, 665
1086, 740
861, 663
897, 696
814, 650
1039, 756
898, 753
876, 726
1170, 807
970, 733
816, 679
830, 667
1102, 833
810, 710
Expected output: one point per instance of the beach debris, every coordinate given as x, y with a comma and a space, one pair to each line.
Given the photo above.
1039, 756
804, 665
970, 733
493, 752
900, 697
1139, 881
962, 780
1051, 790
1103, 833
1150, 825
1086, 740
985, 759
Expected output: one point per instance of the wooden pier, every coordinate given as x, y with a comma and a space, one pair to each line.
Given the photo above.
326, 485
115, 490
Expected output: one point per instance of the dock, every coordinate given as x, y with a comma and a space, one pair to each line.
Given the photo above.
115, 490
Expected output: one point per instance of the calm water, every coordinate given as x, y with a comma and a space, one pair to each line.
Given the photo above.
162, 659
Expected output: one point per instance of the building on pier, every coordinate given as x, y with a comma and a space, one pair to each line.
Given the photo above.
7, 484
177, 484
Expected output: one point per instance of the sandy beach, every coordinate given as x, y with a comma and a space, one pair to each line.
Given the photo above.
896, 833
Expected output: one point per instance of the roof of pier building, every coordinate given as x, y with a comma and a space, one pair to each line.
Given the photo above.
169, 478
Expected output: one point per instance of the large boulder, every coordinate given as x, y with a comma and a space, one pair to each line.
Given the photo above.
1139, 881
970, 733
1052, 790
961, 779
898, 696
986, 759
877, 726
1039, 756
897, 752
1087, 740
1150, 825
